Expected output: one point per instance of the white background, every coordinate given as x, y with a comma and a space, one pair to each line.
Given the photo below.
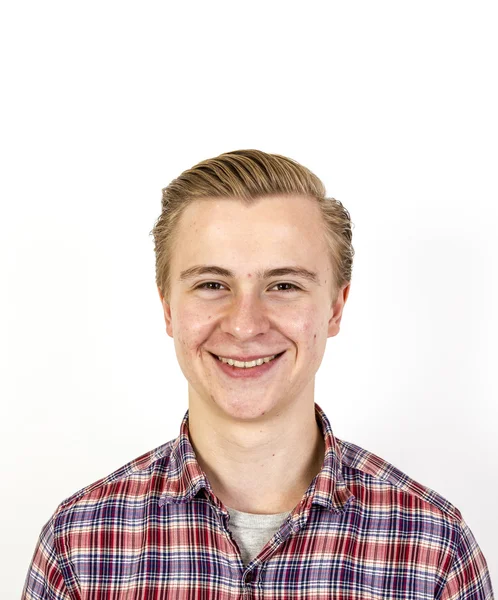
392, 104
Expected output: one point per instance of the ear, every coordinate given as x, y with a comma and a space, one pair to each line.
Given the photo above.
167, 313
336, 310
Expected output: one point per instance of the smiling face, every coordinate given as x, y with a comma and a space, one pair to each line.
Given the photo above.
243, 310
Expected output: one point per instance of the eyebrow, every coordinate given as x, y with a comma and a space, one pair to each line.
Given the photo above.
197, 270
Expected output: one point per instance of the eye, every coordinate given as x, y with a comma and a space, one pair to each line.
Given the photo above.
292, 287
203, 286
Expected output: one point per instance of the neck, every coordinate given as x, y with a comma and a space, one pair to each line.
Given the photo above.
263, 467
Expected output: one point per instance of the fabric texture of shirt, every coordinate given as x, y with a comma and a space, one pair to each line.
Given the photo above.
251, 531
154, 530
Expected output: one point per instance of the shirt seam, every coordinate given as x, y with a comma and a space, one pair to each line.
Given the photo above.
58, 559
452, 512
453, 560
104, 482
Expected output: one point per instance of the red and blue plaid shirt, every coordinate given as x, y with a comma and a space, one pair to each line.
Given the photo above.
154, 530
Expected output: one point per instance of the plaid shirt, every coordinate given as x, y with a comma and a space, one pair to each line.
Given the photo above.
154, 530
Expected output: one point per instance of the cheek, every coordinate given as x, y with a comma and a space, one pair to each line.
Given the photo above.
191, 327
309, 329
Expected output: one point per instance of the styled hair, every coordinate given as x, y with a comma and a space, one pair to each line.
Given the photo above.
248, 175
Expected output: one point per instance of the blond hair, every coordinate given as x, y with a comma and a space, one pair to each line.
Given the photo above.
248, 175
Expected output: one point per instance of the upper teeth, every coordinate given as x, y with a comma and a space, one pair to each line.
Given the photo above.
246, 365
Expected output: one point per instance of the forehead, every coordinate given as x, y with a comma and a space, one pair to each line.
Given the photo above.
270, 230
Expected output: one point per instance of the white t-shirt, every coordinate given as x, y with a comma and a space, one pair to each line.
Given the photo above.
251, 532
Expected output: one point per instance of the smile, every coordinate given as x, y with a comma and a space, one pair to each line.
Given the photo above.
247, 369
246, 365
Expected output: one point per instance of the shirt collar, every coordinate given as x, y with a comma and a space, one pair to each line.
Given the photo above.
184, 476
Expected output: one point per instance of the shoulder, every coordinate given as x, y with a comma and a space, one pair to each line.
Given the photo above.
132, 483
365, 471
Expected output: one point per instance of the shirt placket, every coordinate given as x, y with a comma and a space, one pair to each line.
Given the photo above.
251, 579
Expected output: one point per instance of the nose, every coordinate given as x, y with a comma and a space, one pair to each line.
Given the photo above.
246, 317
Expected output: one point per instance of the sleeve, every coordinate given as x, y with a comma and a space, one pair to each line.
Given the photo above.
468, 577
45, 580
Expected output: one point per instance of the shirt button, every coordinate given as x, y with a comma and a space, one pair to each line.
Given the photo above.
250, 577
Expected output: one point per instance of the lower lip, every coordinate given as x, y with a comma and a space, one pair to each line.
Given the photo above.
239, 373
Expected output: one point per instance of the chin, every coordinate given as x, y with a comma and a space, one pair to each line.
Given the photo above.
244, 409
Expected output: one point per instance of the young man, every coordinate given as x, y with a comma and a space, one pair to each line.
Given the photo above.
256, 498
